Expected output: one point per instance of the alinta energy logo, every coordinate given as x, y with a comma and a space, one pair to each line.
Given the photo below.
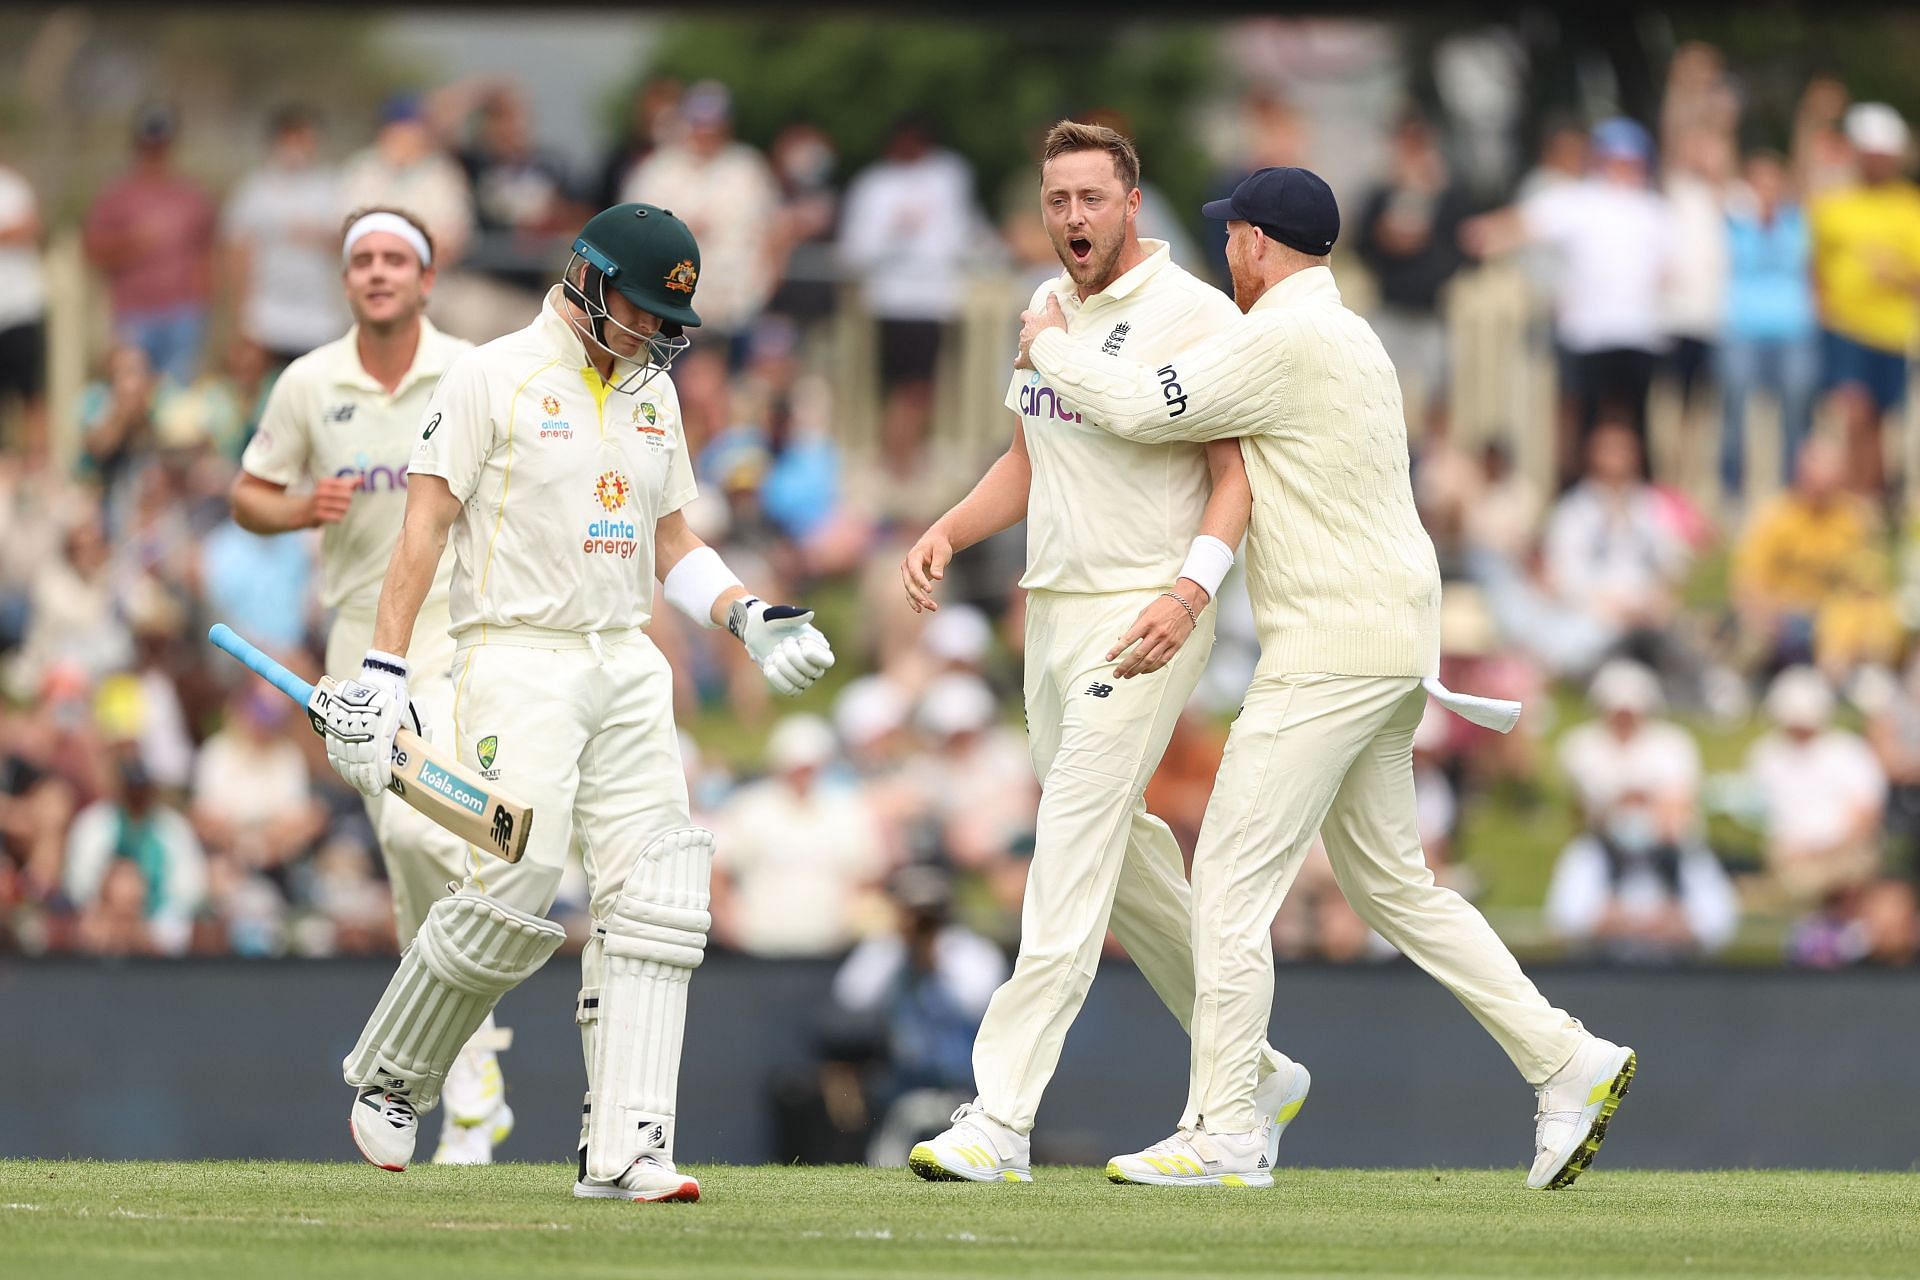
554, 427
612, 537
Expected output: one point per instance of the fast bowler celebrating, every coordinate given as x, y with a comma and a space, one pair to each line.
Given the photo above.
1347, 596
555, 458
345, 416
1126, 545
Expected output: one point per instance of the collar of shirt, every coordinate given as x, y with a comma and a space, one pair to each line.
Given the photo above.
1158, 256
431, 358
1312, 286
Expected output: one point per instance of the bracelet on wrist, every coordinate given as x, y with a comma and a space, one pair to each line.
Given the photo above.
1181, 600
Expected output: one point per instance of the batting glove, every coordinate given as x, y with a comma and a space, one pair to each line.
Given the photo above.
362, 719
782, 641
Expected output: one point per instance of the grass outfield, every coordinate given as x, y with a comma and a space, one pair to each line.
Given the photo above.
282, 1221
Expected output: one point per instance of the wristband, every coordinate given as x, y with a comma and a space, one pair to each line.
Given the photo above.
1208, 560
700, 578
387, 662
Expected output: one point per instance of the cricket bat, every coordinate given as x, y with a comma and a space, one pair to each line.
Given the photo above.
427, 778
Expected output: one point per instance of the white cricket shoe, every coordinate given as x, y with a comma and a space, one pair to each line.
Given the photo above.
977, 1148
463, 1143
1575, 1106
384, 1127
1195, 1158
649, 1179
1277, 1101
477, 1118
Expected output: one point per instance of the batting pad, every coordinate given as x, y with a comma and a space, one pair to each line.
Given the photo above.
653, 939
470, 951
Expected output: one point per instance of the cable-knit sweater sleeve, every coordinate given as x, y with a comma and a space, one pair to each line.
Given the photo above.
1215, 391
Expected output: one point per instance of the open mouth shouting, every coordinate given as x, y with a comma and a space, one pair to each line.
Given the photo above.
1081, 248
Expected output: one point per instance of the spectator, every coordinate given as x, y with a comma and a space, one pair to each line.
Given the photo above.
1409, 239
1815, 852
283, 238
1699, 169
252, 800
724, 191
116, 426
1610, 554
406, 168
1768, 340
23, 313
919, 991
261, 584
1505, 515
804, 164
135, 828
74, 619
1866, 262
799, 853
1615, 238
151, 233
520, 201
909, 227
1893, 729
651, 118
1809, 577
978, 778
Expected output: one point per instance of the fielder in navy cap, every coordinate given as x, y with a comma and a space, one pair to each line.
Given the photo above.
1294, 206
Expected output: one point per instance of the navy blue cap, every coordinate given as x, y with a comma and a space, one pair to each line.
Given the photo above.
1294, 206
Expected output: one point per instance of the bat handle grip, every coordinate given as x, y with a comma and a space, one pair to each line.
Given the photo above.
227, 640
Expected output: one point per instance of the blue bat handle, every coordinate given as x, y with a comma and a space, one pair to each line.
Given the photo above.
226, 638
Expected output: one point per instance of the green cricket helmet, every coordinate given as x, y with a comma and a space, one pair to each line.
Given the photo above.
650, 257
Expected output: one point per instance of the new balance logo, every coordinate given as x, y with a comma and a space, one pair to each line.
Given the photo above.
1098, 690
503, 827
1111, 346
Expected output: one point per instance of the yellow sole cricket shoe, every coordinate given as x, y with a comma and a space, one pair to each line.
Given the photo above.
1576, 1106
977, 1148
1192, 1158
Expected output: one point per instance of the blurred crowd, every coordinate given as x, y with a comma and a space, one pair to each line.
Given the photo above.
157, 801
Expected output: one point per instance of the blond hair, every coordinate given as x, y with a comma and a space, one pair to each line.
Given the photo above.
1073, 135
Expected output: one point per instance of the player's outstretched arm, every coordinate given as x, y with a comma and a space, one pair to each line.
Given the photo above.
1211, 392
998, 502
780, 638
261, 506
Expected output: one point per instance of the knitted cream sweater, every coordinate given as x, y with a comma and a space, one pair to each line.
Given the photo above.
1341, 572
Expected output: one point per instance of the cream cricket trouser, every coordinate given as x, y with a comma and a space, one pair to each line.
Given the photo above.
422, 857
581, 728
1098, 856
1333, 754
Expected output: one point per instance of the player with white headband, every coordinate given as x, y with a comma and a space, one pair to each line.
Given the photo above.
556, 460
331, 453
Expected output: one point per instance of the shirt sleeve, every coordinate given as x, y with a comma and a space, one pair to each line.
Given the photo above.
1552, 215
457, 435
281, 449
1213, 392
681, 488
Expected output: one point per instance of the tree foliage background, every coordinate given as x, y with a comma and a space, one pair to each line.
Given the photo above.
990, 90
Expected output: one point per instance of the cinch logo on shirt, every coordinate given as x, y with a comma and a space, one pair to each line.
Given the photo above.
375, 478
1038, 400
612, 537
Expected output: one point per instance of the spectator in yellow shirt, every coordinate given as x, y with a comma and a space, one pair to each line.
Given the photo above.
1866, 266
1810, 576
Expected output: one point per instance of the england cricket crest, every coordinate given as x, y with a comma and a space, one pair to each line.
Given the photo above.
487, 748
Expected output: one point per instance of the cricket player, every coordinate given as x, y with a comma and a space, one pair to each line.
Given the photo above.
1126, 545
344, 417
555, 459
1347, 596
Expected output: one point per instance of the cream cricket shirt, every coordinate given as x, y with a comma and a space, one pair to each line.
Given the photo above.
1342, 573
1106, 513
563, 478
327, 416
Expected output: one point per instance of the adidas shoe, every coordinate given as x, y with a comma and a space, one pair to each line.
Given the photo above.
1194, 1158
1277, 1101
1575, 1107
977, 1148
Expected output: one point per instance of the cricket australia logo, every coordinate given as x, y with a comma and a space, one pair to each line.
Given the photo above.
646, 421
616, 538
683, 276
1111, 346
488, 748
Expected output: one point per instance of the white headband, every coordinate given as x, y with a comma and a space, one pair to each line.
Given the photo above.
389, 222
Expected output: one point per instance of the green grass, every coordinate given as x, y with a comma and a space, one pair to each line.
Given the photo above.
284, 1221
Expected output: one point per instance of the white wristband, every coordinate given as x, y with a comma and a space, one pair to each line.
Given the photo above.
696, 582
1208, 560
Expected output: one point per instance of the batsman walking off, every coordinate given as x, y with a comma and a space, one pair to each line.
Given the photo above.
1126, 545
345, 417
555, 459
1346, 594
